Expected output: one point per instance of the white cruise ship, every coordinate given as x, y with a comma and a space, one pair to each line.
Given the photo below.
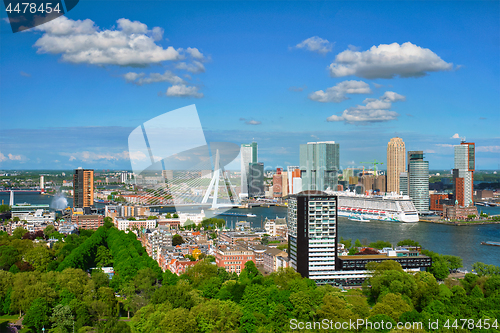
390, 207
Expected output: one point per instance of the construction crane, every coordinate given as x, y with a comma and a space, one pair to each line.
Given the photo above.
374, 162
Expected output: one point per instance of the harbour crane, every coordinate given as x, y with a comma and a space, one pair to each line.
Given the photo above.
374, 162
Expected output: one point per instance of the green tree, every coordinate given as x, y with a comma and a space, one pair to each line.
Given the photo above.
37, 315
392, 305
4, 208
177, 240
19, 232
357, 243
49, 230
39, 257
217, 316
484, 269
380, 244
62, 318
9, 255
346, 242
408, 242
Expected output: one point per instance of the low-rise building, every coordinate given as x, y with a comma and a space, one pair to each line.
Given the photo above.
88, 221
232, 237
270, 259
233, 258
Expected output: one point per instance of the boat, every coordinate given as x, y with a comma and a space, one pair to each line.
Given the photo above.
391, 207
251, 215
490, 243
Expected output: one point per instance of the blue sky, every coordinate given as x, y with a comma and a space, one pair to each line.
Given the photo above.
72, 90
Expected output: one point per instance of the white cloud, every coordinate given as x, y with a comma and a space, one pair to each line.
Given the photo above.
316, 44
388, 61
250, 121
181, 90
374, 110
140, 79
338, 92
391, 96
12, 157
455, 136
25, 74
195, 53
195, 67
132, 44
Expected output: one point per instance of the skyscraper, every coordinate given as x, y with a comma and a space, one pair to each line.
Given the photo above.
248, 155
312, 235
83, 188
418, 180
463, 174
319, 165
256, 179
278, 183
395, 163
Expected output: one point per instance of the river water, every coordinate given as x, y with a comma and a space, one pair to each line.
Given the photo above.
462, 241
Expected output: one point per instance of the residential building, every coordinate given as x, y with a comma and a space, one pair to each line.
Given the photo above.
418, 180
270, 257
233, 258
395, 163
437, 200
83, 188
284, 184
277, 183
88, 221
312, 235
248, 155
463, 174
319, 165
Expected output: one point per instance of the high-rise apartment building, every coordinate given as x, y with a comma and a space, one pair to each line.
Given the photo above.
278, 183
248, 155
83, 188
319, 165
463, 174
395, 163
312, 235
418, 180
256, 180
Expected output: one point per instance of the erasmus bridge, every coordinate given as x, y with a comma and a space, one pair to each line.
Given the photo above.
187, 188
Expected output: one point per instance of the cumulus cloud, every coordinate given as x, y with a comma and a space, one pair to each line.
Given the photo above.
316, 44
338, 92
374, 110
11, 157
195, 53
455, 136
195, 67
181, 90
81, 41
388, 61
140, 78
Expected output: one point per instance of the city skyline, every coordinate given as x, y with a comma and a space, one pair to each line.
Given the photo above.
302, 74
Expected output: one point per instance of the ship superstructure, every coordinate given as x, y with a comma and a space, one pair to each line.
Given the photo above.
390, 207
